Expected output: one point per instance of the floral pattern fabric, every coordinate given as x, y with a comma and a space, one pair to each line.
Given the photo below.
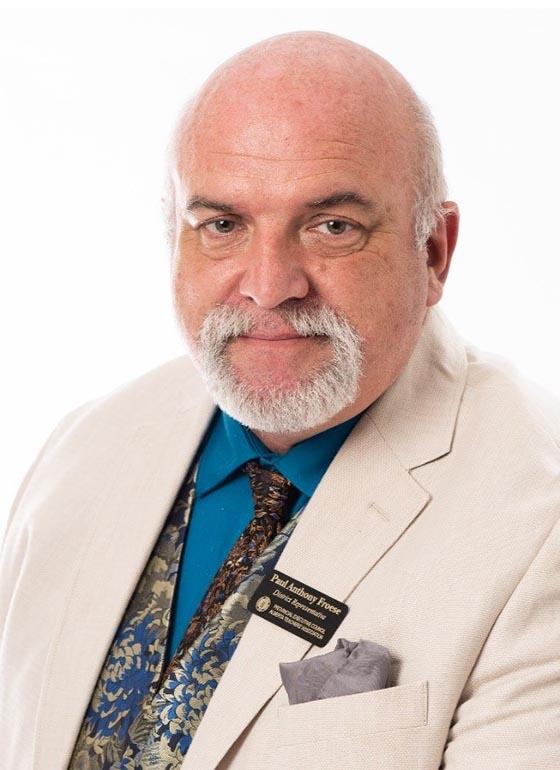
133, 666
144, 718
162, 733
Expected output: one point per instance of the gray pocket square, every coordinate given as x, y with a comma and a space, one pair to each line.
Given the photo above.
350, 668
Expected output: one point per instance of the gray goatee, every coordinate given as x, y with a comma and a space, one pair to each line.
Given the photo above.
313, 401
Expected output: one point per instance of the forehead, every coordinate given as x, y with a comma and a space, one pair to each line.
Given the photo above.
272, 141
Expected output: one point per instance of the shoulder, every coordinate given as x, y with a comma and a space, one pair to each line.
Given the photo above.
174, 385
97, 432
153, 398
499, 397
501, 470
505, 454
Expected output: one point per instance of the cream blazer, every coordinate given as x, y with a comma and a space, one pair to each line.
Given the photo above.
437, 523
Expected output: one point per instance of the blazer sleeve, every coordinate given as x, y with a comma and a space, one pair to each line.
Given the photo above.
60, 428
508, 717
13, 548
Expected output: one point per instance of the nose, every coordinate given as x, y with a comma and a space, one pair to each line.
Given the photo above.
273, 273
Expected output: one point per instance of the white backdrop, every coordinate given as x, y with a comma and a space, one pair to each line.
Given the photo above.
87, 100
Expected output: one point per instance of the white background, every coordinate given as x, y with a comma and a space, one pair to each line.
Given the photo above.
87, 100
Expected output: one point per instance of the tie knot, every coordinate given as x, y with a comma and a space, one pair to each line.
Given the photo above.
271, 490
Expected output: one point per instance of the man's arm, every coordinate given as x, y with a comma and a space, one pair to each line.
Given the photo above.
57, 432
14, 539
509, 714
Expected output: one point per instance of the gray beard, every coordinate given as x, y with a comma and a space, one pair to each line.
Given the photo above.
313, 401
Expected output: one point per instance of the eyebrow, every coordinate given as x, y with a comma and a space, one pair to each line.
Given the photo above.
337, 198
345, 196
204, 203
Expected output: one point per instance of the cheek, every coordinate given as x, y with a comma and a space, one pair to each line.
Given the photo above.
186, 295
191, 293
199, 283
365, 289
385, 300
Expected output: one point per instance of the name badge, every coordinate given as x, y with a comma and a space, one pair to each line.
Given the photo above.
298, 608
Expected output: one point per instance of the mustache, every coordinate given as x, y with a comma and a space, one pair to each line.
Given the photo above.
226, 322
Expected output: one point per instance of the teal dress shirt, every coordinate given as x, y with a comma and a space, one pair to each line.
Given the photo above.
223, 504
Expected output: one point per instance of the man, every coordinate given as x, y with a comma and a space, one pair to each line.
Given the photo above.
402, 478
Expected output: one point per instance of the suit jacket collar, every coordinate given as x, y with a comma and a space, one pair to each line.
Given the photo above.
361, 507
417, 414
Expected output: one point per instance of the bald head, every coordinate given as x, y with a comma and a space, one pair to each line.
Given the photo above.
276, 95
315, 69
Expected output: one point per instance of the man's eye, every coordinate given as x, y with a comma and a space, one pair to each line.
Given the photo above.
221, 226
335, 227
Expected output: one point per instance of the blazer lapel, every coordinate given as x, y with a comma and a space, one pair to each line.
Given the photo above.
364, 503
129, 501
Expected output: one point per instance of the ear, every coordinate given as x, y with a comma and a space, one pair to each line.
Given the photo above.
439, 250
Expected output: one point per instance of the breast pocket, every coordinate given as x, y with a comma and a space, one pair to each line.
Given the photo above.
347, 716
377, 730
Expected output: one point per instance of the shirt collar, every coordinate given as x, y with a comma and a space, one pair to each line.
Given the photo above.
229, 445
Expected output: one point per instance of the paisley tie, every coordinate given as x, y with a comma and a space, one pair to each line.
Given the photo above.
272, 494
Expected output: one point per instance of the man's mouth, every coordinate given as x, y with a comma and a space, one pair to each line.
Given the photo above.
273, 337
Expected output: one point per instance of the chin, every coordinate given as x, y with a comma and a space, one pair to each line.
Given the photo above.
287, 406
267, 385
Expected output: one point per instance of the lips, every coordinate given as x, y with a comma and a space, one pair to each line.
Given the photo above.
274, 337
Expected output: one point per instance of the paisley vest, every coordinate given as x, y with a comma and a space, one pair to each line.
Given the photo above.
143, 714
